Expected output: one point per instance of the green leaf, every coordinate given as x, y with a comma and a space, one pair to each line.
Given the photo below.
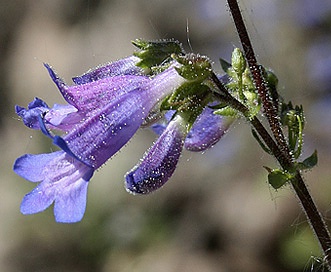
277, 178
263, 146
308, 163
225, 65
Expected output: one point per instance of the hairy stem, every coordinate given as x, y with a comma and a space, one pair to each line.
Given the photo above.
279, 149
255, 69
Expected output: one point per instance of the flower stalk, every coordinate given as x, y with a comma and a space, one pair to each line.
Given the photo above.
279, 149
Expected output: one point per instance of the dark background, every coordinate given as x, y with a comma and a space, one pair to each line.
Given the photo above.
217, 213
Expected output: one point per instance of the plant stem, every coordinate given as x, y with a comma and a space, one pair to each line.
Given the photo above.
257, 75
314, 217
279, 148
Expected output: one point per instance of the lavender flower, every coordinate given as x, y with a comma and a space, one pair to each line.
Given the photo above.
64, 180
106, 106
207, 130
126, 66
160, 161
105, 110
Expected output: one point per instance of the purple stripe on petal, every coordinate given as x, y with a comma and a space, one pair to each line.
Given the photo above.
160, 161
98, 94
95, 94
103, 134
126, 66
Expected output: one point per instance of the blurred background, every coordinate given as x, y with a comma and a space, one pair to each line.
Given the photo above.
217, 213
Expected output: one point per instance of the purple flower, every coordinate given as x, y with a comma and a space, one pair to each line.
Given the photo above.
105, 110
30, 115
207, 130
125, 66
160, 161
64, 181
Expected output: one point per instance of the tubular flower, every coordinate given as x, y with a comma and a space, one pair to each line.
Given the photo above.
160, 161
207, 130
106, 108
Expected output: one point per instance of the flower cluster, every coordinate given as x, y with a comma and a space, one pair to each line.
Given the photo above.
105, 107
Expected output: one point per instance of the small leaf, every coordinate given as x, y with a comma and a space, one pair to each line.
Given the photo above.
264, 147
309, 163
227, 111
277, 178
225, 65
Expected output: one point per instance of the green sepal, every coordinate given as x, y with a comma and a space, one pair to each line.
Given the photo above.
155, 53
194, 67
189, 100
227, 111
309, 162
253, 103
277, 178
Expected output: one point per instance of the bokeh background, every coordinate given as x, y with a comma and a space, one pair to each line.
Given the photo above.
217, 213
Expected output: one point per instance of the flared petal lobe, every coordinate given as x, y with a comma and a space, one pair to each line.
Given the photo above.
64, 180
159, 162
30, 115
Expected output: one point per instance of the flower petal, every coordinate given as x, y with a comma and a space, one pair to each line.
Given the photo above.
63, 117
31, 166
101, 135
70, 205
64, 180
160, 161
207, 130
97, 94
126, 66
30, 115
